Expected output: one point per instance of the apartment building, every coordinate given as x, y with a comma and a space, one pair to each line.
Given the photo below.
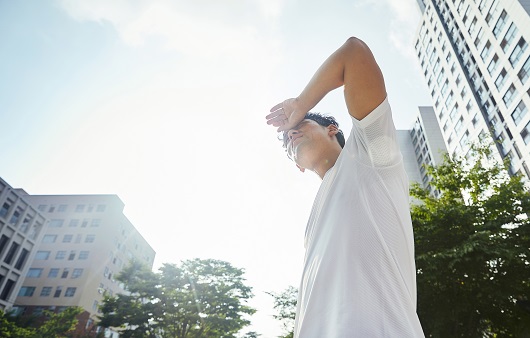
21, 226
87, 242
476, 62
422, 145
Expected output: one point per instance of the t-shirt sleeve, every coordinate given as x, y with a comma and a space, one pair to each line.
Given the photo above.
373, 139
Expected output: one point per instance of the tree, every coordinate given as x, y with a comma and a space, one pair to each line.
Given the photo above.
55, 324
472, 249
285, 304
199, 298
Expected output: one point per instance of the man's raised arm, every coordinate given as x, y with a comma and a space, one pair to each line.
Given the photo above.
352, 65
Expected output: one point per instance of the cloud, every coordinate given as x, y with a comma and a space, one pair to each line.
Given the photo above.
403, 25
198, 29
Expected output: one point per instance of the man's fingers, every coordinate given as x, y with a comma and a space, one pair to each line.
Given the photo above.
276, 107
278, 120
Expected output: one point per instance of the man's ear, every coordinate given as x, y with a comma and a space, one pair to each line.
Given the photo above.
301, 169
332, 130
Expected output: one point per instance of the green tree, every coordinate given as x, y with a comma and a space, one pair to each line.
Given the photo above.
199, 298
137, 312
285, 304
472, 249
55, 324
59, 324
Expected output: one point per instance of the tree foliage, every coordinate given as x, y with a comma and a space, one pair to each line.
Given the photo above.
473, 249
199, 298
55, 324
285, 304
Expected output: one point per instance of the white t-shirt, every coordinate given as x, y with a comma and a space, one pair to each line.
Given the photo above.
359, 277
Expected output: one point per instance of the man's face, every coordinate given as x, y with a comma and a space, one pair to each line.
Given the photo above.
303, 142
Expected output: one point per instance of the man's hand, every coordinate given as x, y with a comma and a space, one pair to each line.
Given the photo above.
286, 115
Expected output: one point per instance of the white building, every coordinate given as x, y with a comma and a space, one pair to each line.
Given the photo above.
87, 242
476, 61
422, 145
21, 227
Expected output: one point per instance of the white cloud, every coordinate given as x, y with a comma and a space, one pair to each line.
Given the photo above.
403, 25
198, 29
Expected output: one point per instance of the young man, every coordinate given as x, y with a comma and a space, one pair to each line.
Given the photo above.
359, 277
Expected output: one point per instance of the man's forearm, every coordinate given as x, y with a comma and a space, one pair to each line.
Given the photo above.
353, 66
329, 76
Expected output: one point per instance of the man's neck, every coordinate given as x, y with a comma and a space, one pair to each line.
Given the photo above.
322, 167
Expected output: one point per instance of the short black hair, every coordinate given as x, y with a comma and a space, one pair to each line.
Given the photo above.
323, 120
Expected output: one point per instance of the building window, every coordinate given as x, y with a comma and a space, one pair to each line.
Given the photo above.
449, 100
8, 287
501, 79
90, 238
509, 95
54, 272
523, 73
486, 51
83, 255
15, 217
518, 52
60, 254
80, 208
65, 273
34, 273
11, 253
21, 259
26, 291
478, 39
67, 238
42, 207
525, 133
508, 38
459, 124
95, 222
71, 257
46, 291
76, 273
4, 209
42, 255
58, 291
444, 87
500, 24
472, 26
70, 292
49, 238
492, 67
74, 223
3, 243
519, 112
62, 208
464, 139
56, 223
84, 223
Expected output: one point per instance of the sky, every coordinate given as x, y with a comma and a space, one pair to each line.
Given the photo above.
163, 103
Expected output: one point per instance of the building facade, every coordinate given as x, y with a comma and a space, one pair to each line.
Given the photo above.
422, 145
88, 241
21, 228
476, 62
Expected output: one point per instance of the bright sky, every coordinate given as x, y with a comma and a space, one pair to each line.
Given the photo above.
163, 104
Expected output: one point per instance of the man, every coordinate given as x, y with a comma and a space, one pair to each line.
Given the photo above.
359, 277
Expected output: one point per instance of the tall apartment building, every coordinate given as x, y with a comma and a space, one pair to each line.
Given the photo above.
21, 226
476, 61
422, 145
87, 242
